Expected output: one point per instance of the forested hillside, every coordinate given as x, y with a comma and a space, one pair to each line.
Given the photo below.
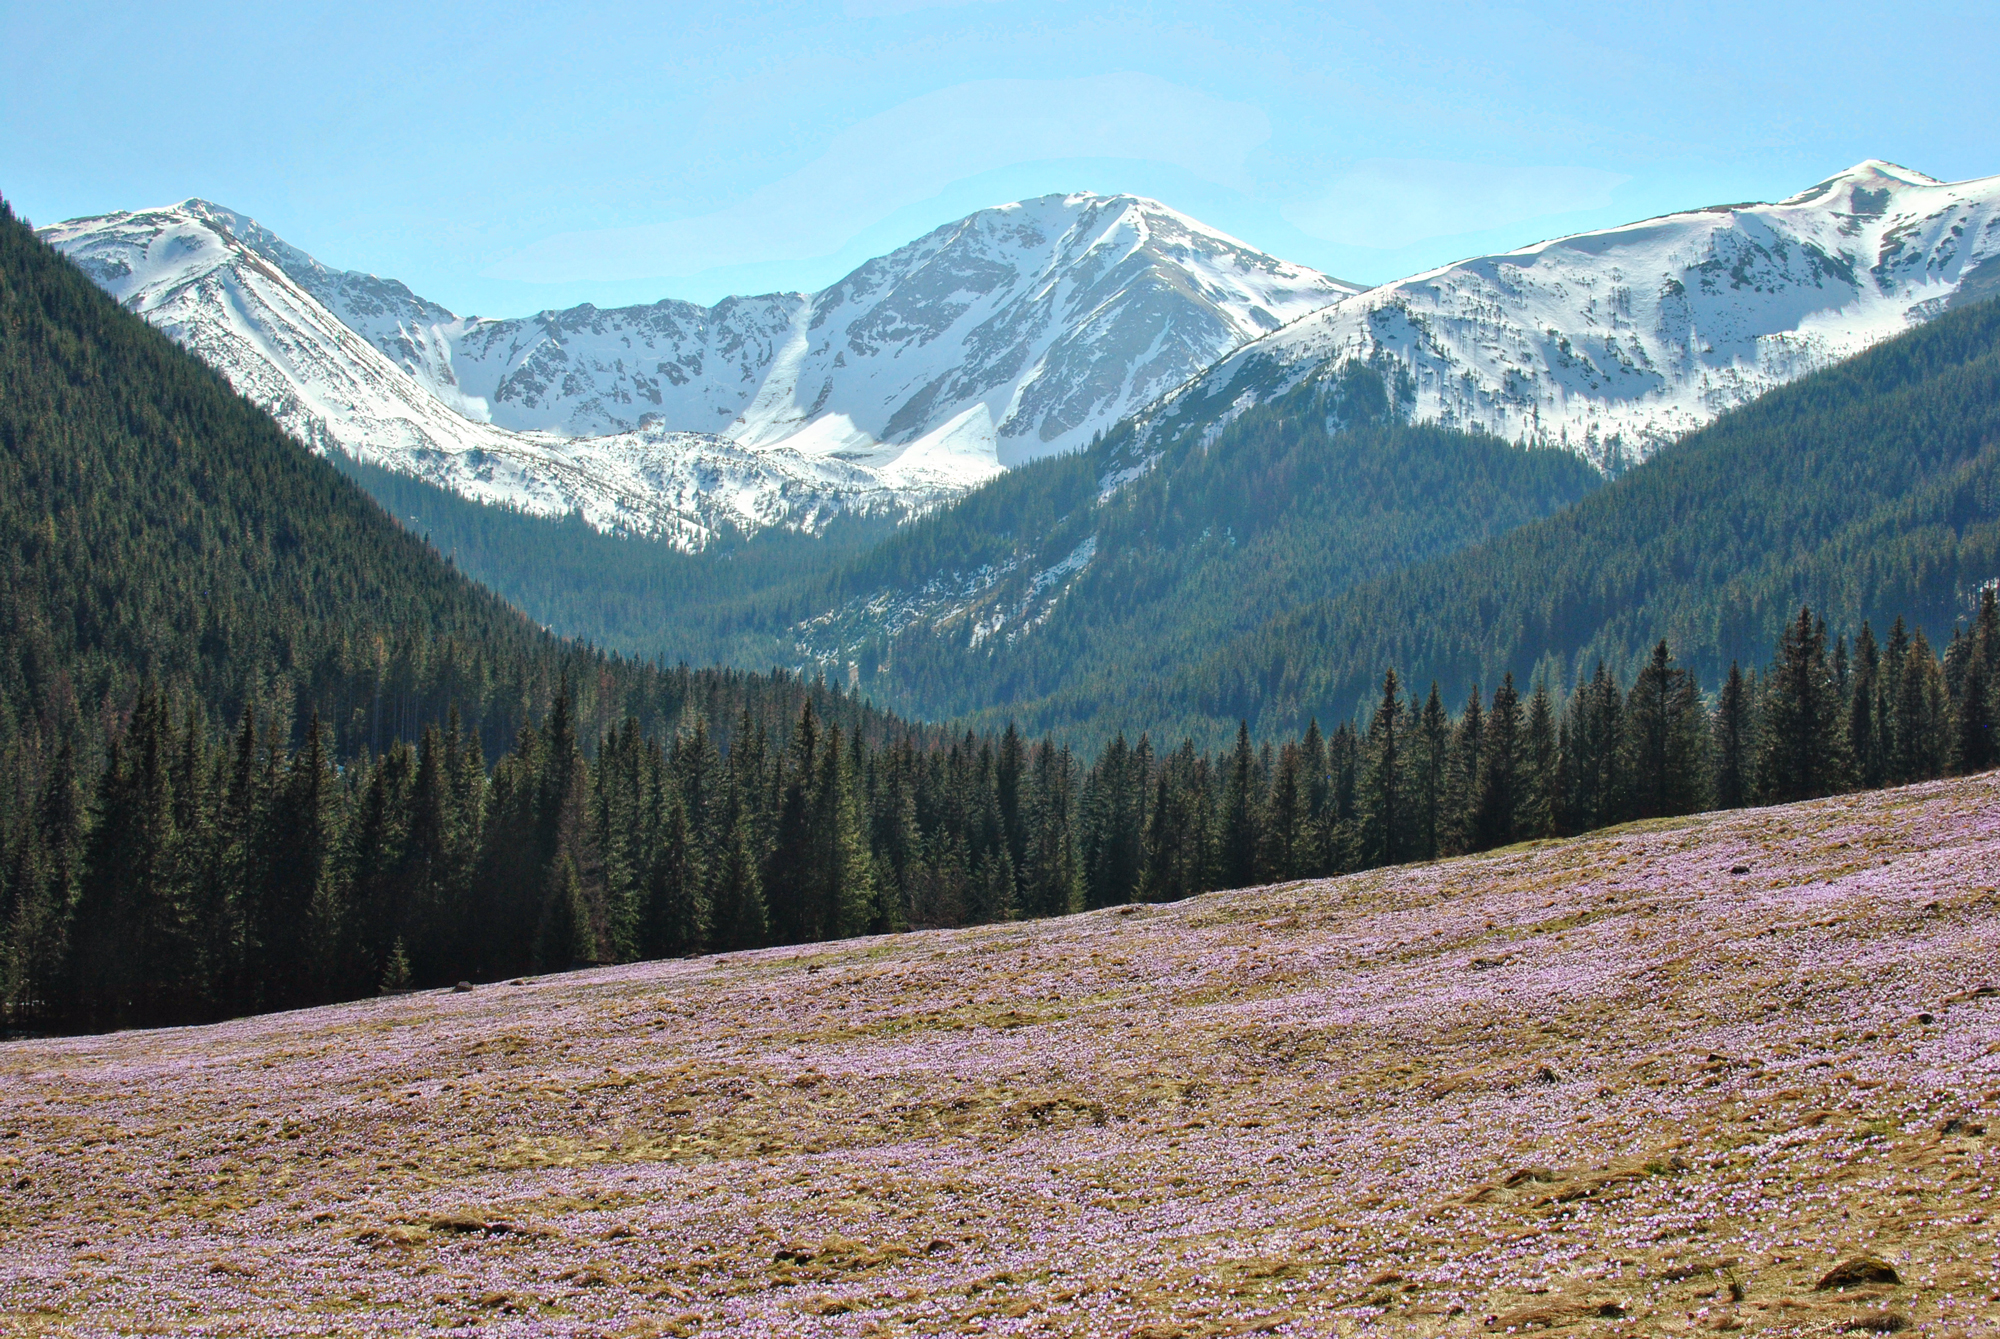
1870, 490
1043, 582
177, 567
1292, 503
733, 603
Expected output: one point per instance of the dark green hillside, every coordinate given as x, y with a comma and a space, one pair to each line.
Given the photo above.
631, 595
1293, 503
1867, 490
155, 526
1298, 500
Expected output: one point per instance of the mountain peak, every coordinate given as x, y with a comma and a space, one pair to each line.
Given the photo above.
1016, 332
1869, 177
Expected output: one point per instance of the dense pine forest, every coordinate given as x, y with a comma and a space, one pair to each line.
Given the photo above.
1268, 569
194, 878
165, 546
1293, 502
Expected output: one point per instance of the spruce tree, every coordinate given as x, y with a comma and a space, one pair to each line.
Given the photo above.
1383, 820
1431, 764
1499, 769
842, 878
1459, 824
1666, 740
1733, 743
1241, 806
1804, 739
1539, 783
736, 898
1864, 711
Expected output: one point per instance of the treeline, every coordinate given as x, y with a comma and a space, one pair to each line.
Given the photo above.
194, 877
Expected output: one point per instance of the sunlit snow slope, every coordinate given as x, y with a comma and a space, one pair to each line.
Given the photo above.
1017, 332
1613, 342
311, 353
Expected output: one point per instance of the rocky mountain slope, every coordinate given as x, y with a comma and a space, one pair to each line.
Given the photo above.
1613, 342
1729, 1073
1017, 332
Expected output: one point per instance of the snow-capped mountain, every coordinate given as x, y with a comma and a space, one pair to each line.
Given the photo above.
1017, 332
309, 353
1614, 342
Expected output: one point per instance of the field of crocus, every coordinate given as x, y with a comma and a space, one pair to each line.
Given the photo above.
1736, 1072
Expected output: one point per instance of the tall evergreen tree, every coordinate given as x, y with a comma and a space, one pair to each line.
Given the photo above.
1241, 814
1803, 737
1499, 769
1383, 817
1666, 740
1733, 742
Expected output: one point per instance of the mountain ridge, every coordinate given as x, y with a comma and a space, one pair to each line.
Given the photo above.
1021, 330
1614, 341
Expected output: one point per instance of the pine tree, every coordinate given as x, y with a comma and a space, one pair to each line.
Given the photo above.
1499, 769
736, 898
396, 969
1383, 820
1051, 883
1540, 779
1287, 836
788, 870
677, 915
1975, 748
1733, 748
1803, 737
842, 883
1459, 830
1241, 806
1114, 822
1431, 767
1666, 740
1864, 711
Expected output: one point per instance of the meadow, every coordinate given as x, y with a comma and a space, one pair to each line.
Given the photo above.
1735, 1072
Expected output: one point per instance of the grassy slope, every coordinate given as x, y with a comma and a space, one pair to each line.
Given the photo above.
1593, 1082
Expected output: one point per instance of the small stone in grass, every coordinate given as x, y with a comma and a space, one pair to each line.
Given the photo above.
1927, 1018
1877, 1322
461, 988
1739, 869
1856, 1271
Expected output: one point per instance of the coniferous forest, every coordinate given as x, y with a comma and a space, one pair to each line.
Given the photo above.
261, 748
194, 876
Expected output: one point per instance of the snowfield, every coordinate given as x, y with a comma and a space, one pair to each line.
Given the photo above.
1667, 1079
1023, 331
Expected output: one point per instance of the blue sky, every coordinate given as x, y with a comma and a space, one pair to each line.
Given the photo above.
504, 157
